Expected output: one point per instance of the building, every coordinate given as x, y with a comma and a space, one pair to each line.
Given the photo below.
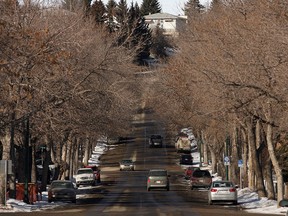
170, 24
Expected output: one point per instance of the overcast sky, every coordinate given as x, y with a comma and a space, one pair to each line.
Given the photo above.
168, 6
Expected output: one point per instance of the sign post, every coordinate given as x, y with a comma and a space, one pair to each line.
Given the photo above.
227, 163
240, 165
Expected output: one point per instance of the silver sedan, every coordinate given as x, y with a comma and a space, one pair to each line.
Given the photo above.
222, 191
127, 164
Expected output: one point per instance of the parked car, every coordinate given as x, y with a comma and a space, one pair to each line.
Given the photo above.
156, 141
62, 190
222, 191
186, 159
85, 176
158, 178
127, 164
96, 171
200, 179
188, 172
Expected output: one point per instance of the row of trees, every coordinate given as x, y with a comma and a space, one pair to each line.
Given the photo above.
228, 82
65, 82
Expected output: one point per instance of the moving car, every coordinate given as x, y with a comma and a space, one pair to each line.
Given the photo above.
222, 191
186, 159
200, 179
155, 141
96, 171
85, 176
127, 164
183, 145
158, 178
62, 190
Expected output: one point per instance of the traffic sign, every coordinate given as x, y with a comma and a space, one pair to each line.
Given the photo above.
226, 161
240, 163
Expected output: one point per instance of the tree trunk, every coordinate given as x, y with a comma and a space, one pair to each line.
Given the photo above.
245, 158
46, 170
76, 156
213, 159
275, 163
255, 161
87, 151
205, 152
234, 173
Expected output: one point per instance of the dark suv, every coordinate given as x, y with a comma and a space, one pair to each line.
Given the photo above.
155, 141
186, 159
200, 179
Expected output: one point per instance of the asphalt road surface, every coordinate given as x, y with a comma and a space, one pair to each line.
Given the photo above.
124, 192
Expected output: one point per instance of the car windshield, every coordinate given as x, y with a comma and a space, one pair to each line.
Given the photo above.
187, 156
83, 171
201, 174
62, 185
158, 173
126, 161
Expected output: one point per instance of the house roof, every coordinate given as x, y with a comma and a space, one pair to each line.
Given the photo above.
161, 16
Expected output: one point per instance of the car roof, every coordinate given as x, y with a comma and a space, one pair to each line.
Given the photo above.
61, 181
154, 170
222, 181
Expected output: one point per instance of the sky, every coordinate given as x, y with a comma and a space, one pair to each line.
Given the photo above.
168, 6
247, 199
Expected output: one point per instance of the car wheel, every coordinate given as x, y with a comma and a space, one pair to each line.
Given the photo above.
49, 200
148, 189
192, 188
74, 201
235, 203
210, 202
168, 188
77, 185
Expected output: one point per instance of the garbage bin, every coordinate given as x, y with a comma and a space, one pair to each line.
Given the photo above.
20, 187
32, 192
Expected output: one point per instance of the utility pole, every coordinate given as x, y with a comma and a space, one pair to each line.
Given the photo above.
26, 144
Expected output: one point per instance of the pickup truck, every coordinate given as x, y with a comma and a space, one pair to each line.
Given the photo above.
183, 145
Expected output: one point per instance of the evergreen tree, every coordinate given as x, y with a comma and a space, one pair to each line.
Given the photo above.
193, 7
122, 11
75, 5
98, 11
159, 43
136, 35
150, 7
110, 18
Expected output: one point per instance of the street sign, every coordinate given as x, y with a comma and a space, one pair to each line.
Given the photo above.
240, 163
226, 161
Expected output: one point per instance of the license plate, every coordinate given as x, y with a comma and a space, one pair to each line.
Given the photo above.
201, 180
223, 192
158, 182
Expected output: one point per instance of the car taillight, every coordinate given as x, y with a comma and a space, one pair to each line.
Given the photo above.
232, 190
148, 180
213, 190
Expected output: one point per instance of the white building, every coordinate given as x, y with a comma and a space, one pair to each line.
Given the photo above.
171, 24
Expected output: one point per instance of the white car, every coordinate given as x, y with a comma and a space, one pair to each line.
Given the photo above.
222, 191
85, 176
